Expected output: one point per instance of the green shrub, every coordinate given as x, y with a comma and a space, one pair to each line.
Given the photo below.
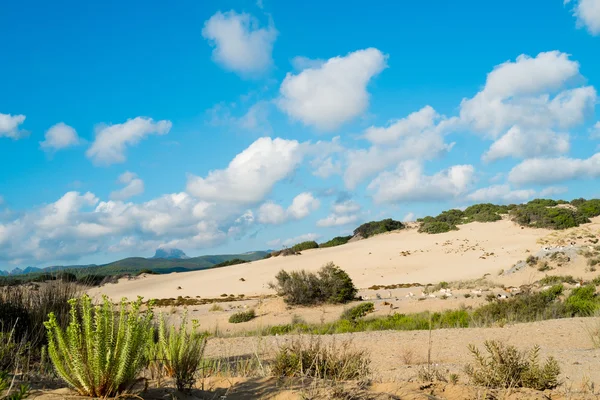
24, 309
101, 352
358, 311
557, 279
589, 208
506, 367
330, 285
531, 260
541, 213
180, 352
582, 301
228, 263
242, 316
524, 308
311, 244
376, 227
7, 392
434, 227
336, 241
312, 358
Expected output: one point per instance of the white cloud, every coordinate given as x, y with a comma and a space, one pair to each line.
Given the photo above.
551, 170
240, 44
9, 126
301, 63
337, 220
533, 143
302, 205
292, 241
410, 217
345, 207
111, 141
78, 225
553, 191
251, 175
588, 14
60, 136
408, 183
333, 93
133, 187
416, 123
324, 168
420, 136
595, 131
502, 194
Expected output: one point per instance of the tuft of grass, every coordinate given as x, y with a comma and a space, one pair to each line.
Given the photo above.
215, 307
180, 352
242, 316
313, 358
506, 367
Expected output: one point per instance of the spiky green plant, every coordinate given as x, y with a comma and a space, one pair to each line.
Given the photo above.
180, 352
101, 352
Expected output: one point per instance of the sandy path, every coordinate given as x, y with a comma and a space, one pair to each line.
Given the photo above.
471, 252
567, 340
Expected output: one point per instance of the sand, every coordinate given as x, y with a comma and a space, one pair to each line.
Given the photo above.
398, 257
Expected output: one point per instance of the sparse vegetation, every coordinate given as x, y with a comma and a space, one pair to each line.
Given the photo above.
336, 241
179, 352
372, 228
101, 352
311, 244
506, 367
330, 285
359, 311
312, 358
242, 316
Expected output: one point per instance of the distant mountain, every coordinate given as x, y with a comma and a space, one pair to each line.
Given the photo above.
132, 265
170, 254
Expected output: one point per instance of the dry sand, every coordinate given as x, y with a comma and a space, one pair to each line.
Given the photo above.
472, 251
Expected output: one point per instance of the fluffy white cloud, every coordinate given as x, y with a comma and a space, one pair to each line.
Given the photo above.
550, 170
240, 44
410, 217
328, 95
302, 205
111, 141
80, 224
251, 175
60, 136
588, 14
533, 143
519, 93
420, 136
345, 207
9, 126
502, 194
595, 131
133, 187
292, 241
337, 220
408, 183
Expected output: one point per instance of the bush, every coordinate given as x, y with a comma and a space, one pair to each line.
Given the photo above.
311, 244
25, 308
557, 279
242, 316
589, 208
331, 285
6, 388
582, 301
376, 227
101, 352
312, 358
180, 352
543, 214
434, 227
336, 241
359, 311
507, 367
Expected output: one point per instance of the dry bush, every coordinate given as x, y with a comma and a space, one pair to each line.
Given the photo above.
313, 358
506, 367
407, 355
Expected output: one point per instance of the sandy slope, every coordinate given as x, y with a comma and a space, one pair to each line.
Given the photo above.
471, 252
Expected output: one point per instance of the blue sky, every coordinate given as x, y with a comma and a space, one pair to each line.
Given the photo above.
239, 125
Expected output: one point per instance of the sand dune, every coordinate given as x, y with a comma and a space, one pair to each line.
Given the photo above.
398, 257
